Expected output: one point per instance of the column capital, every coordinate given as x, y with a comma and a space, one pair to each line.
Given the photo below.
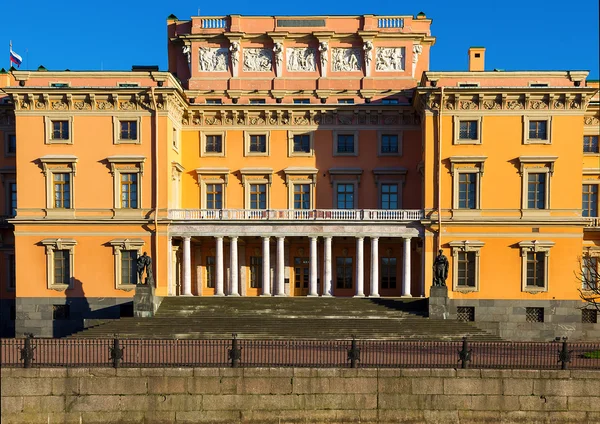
407, 237
280, 237
360, 237
219, 237
327, 237
234, 237
374, 237
313, 237
266, 237
187, 238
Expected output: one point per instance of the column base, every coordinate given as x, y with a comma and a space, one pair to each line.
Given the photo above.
312, 295
374, 295
185, 294
281, 295
327, 295
219, 294
359, 295
265, 295
406, 295
234, 294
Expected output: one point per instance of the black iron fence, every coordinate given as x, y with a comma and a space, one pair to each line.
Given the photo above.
236, 352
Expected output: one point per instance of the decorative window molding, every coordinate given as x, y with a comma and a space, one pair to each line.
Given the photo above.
531, 165
466, 165
527, 119
117, 133
381, 143
535, 246
292, 134
345, 174
390, 175
49, 121
337, 134
247, 143
176, 171
295, 175
204, 135
57, 244
212, 176
119, 166
59, 164
120, 245
465, 247
252, 176
477, 120
10, 144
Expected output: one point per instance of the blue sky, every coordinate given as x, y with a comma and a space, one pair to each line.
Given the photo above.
113, 35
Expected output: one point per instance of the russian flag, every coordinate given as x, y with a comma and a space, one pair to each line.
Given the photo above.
15, 58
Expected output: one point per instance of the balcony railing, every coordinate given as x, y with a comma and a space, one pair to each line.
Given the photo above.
390, 23
296, 215
212, 23
594, 222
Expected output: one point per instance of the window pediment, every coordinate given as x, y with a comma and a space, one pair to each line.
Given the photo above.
476, 161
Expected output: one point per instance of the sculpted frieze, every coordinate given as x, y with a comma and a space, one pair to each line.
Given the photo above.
258, 60
389, 59
346, 60
213, 59
301, 59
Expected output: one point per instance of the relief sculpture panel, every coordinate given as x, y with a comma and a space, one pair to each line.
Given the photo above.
301, 59
346, 60
213, 59
390, 59
258, 60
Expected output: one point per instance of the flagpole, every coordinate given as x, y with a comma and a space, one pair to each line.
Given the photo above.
9, 50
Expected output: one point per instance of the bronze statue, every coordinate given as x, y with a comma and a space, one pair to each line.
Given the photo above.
440, 270
145, 262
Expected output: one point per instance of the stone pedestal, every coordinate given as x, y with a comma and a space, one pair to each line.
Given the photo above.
438, 303
143, 301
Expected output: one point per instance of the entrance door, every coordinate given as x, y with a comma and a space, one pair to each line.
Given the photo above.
301, 274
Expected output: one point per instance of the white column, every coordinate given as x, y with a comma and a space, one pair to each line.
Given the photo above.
187, 267
406, 268
327, 291
233, 265
312, 282
360, 267
219, 267
374, 267
280, 267
171, 284
266, 267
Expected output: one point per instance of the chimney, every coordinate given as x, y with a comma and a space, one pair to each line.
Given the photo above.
476, 59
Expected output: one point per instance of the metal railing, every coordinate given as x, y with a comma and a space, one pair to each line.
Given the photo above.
297, 215
236, 352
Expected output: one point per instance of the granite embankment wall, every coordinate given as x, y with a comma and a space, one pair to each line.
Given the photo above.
269, 395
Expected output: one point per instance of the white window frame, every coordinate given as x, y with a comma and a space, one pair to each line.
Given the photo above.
51, 246
457, 119
529, 118
465, 246
212, 176
535, 246
291, 134
118, 246
247, 135
117, 129
335, 142
592, 252
595, 182
536, 165
380, 135
48, 120
203, 152
257, 176
466, 165
300, 175
56, 164
6, 137
590, 131
127, 165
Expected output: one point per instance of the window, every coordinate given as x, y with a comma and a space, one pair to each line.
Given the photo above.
129, 191
128, 84
465, 313
301, 101
590, 272
257, 101
535, 255
258, 196
389, 101
346, 101
12, 189
59, 129
62, 190
467, 189
589, 316
537, 129
210, 272
345, 196
467, 84
389, 144
10, 145
59, 262
12, 276
302, 143
59, 84
343, 275
590, 144
468, 130
590, 200
214, 144
465, 264
388, 273
126, 253
214, 196
176, 139
534, 314
256, 144
302, 196
256, 275
536, 191
214, 101
128, 130
345, 143
538, 84
389, 196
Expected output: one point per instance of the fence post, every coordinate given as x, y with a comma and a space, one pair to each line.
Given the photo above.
116, 352
564, 355
27, 351
464, 354
235, 353
353, 353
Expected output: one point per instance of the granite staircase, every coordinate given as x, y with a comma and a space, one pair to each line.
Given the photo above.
289, 318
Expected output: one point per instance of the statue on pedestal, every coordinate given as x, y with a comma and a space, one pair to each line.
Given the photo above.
144, 262
440, 270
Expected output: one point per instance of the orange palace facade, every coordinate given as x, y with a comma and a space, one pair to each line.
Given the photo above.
299, 156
